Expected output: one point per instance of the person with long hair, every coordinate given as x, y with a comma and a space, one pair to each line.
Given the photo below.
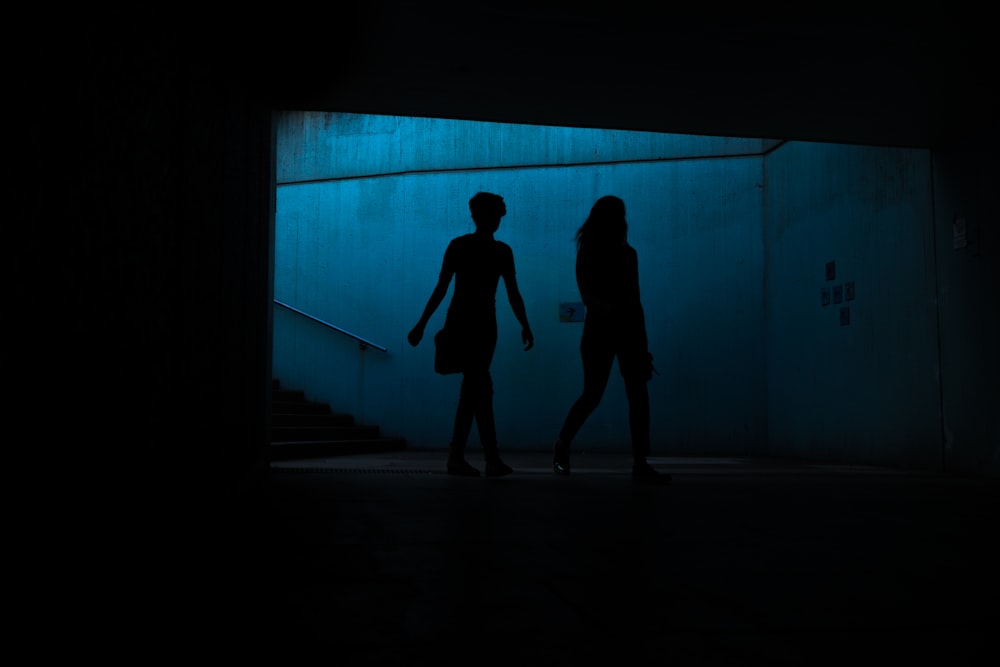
477, 261
607, 275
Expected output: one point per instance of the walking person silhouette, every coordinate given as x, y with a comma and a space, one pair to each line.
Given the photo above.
477, 261
607, 275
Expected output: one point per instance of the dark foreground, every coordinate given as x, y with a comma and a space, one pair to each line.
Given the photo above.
383, 559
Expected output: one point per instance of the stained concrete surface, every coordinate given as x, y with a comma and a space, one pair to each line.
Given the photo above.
383, 559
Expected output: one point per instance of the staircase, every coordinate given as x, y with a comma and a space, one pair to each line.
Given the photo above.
304, 429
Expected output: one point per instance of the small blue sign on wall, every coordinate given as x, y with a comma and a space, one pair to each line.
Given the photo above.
571, 311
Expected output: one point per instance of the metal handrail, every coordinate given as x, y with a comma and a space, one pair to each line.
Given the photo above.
365, 344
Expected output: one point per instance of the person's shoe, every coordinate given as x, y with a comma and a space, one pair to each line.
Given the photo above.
643, 473
560, 458
461, 468
497, 468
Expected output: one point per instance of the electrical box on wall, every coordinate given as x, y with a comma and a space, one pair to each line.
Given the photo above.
571, 312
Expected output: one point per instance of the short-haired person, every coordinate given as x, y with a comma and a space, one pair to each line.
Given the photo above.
478, 262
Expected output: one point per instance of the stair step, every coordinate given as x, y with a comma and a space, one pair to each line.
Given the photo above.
300, 407
288, 395
303, 429
324, 432
311, 419
291, 450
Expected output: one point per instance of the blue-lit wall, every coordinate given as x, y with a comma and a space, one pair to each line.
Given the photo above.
367, 204
735, 238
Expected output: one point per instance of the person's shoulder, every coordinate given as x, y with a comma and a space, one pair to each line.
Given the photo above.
504, 253
459, 241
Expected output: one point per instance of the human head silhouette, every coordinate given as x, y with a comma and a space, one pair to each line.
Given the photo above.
487, 209
606, 225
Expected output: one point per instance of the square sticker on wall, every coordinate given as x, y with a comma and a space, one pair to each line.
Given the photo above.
571, 312
959, 238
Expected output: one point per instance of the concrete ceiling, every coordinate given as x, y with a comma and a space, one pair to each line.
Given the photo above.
919, 80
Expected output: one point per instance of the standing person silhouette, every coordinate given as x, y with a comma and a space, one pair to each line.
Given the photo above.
607, 275
477, 261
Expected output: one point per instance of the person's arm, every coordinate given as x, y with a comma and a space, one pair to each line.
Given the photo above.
517, 305
437, 296
639, 313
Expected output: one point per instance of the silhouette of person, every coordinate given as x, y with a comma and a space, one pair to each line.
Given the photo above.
477, 261
607, 275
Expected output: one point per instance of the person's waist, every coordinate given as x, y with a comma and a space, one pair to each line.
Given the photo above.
473, 314
474, 306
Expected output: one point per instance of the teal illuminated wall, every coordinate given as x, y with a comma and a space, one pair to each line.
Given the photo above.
734, 237
367, 204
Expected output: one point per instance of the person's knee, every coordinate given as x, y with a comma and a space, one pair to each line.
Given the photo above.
589, 401
485, 388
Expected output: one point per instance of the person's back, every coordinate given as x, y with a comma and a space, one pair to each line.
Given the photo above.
608, 279
478, 264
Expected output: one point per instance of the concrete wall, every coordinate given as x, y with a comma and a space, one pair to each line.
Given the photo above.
734, 238
865, 389
364, 214
967, 243
319, 146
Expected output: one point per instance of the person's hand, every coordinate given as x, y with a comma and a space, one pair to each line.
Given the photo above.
527, 338
416, 335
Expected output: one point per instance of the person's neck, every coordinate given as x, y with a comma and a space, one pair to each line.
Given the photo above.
483, 234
